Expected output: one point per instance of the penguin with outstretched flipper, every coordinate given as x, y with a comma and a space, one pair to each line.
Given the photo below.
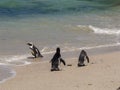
55, 60
35, 51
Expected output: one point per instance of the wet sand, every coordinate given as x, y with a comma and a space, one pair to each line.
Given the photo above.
102, 73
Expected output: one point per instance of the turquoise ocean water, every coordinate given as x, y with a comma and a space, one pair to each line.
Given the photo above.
70, 24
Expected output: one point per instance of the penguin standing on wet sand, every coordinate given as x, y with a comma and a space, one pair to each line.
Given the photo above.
35, 52
55, 60
82, 57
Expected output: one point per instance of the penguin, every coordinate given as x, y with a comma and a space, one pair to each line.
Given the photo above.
82, 57
34, 50
55, 60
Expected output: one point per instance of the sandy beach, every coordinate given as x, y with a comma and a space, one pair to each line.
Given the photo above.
71, 25
102, 73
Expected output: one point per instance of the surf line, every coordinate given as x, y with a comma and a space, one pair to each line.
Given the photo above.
87, 48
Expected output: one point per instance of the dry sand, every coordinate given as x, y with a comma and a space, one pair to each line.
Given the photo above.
102, 73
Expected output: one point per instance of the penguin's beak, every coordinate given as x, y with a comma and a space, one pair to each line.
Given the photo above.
29, 44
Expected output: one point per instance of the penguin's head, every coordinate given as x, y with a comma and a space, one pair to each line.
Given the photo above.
58, 50
30, 43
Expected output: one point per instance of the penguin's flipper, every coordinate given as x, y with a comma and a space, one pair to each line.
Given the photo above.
33, 54
63, 61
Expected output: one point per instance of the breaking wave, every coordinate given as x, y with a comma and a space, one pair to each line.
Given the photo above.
97, 30
104, 30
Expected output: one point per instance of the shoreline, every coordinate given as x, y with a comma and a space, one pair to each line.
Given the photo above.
101, 74
6, 73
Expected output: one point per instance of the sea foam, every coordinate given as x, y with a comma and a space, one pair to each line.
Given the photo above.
98, 30
104, 30
14, 59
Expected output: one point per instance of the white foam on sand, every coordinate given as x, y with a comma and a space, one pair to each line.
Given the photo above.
70, 49
12, 59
